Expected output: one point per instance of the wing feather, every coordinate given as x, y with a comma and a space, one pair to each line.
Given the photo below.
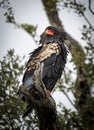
46, 54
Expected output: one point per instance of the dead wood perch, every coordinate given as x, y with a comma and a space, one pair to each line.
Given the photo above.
43, 104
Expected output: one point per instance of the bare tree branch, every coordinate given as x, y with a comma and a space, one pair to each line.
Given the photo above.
68, 98
88, 22
52, 13
83, 14
89, 6
76, 122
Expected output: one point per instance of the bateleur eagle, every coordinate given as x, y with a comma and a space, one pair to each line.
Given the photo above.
52, 53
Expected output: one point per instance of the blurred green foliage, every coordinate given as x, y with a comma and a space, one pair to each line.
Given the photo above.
11, 107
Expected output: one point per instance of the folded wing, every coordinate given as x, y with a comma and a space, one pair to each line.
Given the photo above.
49, 55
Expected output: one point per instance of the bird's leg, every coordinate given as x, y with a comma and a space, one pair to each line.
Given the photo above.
43, 85
48, 92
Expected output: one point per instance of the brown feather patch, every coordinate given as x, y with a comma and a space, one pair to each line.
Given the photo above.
46, 52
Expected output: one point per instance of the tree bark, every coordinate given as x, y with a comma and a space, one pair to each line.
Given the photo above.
43, 104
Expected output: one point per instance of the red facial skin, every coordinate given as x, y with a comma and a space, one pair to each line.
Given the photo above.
49, 32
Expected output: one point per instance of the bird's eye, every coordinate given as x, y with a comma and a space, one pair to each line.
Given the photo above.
49, 32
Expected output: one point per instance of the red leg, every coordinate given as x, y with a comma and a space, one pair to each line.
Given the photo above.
48, 92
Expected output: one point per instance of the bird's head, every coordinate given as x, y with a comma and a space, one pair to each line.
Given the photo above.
49, 31
52, 34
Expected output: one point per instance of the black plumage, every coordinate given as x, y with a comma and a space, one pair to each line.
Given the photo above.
52, 54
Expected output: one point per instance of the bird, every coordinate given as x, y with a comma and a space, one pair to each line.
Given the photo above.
52, 53
51, 56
